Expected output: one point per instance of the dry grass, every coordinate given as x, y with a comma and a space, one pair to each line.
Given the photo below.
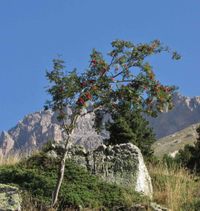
10, 159
173, 187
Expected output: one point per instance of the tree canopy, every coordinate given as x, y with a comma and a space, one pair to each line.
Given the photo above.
126, 79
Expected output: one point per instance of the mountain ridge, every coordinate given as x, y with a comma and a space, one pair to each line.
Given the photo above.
39, 127
171, 144
186, 112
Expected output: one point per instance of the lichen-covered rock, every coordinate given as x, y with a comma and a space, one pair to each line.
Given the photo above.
124, 165
121, 164
9, 198
157, 207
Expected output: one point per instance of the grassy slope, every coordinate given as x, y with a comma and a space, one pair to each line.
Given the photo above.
176, 141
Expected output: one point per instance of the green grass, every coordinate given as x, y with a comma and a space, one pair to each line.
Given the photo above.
37, 177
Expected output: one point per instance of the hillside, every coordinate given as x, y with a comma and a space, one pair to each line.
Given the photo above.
172, 143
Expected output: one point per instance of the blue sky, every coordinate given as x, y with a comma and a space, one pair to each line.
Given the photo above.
34, 32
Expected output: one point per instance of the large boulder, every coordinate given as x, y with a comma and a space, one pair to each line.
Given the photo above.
9, 198
121, 164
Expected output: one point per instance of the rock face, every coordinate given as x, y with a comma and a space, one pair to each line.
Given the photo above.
40, 127
9, 198
6, 143
121, 164
185, 113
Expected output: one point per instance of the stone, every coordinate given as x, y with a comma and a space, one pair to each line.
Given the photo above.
157, 207
9, 198
120, 164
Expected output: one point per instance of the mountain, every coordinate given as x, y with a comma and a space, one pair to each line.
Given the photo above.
172, 143
186, 112
39, 127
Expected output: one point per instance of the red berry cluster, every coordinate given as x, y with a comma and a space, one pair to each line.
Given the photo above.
93, 62
80, 101
88, 95
83, 84
85, 97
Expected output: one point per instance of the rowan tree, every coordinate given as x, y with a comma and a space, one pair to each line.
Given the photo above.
125, 79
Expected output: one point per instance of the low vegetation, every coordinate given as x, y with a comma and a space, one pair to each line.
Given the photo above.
36, 176
176, 180
174, 187
189, 157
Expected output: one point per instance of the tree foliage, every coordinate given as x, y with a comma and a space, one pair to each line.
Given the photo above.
126, 79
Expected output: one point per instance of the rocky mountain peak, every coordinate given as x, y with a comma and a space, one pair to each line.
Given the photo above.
40, 127
188, 102
186, 112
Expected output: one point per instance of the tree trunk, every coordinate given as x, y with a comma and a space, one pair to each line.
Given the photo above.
61, 172
61, 169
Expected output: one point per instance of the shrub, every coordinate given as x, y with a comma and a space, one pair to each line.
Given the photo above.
189, 157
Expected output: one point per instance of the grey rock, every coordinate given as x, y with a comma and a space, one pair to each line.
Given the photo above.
6, 143
9, 198
121, 164
157, 207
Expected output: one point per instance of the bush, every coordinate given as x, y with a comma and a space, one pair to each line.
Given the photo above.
189, 157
